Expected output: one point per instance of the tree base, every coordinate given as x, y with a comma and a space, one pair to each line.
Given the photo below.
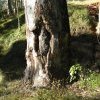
41, 81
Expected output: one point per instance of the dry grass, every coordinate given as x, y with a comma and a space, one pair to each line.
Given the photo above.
86, 2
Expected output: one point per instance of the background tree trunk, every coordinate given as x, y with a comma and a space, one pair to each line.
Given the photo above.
21, 4
47, 26
15, 6
10, 9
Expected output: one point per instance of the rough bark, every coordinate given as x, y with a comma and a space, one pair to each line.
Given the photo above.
46, 27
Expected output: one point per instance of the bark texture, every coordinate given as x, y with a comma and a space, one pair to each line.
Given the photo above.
46, 26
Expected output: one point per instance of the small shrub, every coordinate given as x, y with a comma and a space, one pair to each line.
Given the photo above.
75, 72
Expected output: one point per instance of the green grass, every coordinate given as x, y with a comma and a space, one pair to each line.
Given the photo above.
12, 47
91, 82
15, 90
10, 35
36, 94
79, 19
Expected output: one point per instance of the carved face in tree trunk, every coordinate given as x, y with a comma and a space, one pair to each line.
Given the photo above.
43, 25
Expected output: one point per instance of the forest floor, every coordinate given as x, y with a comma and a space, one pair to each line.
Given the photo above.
12, 62
84, 2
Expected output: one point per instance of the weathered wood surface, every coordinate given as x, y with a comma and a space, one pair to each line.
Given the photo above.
45, 28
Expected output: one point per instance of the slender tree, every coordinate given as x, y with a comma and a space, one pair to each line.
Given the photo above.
47, 26
10, 9
21, 4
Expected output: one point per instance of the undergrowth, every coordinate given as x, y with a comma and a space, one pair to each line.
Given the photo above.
79, 20
90, 82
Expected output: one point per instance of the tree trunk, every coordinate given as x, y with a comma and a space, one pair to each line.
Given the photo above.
47, 25
21, 4
10, 10
15, 6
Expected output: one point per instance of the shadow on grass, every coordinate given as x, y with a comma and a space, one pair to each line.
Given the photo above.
13, 24
13, 63
85, 50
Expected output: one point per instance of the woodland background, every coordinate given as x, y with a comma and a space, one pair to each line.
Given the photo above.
82, 78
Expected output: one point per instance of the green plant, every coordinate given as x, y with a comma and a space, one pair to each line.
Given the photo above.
91, 81
75, 71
